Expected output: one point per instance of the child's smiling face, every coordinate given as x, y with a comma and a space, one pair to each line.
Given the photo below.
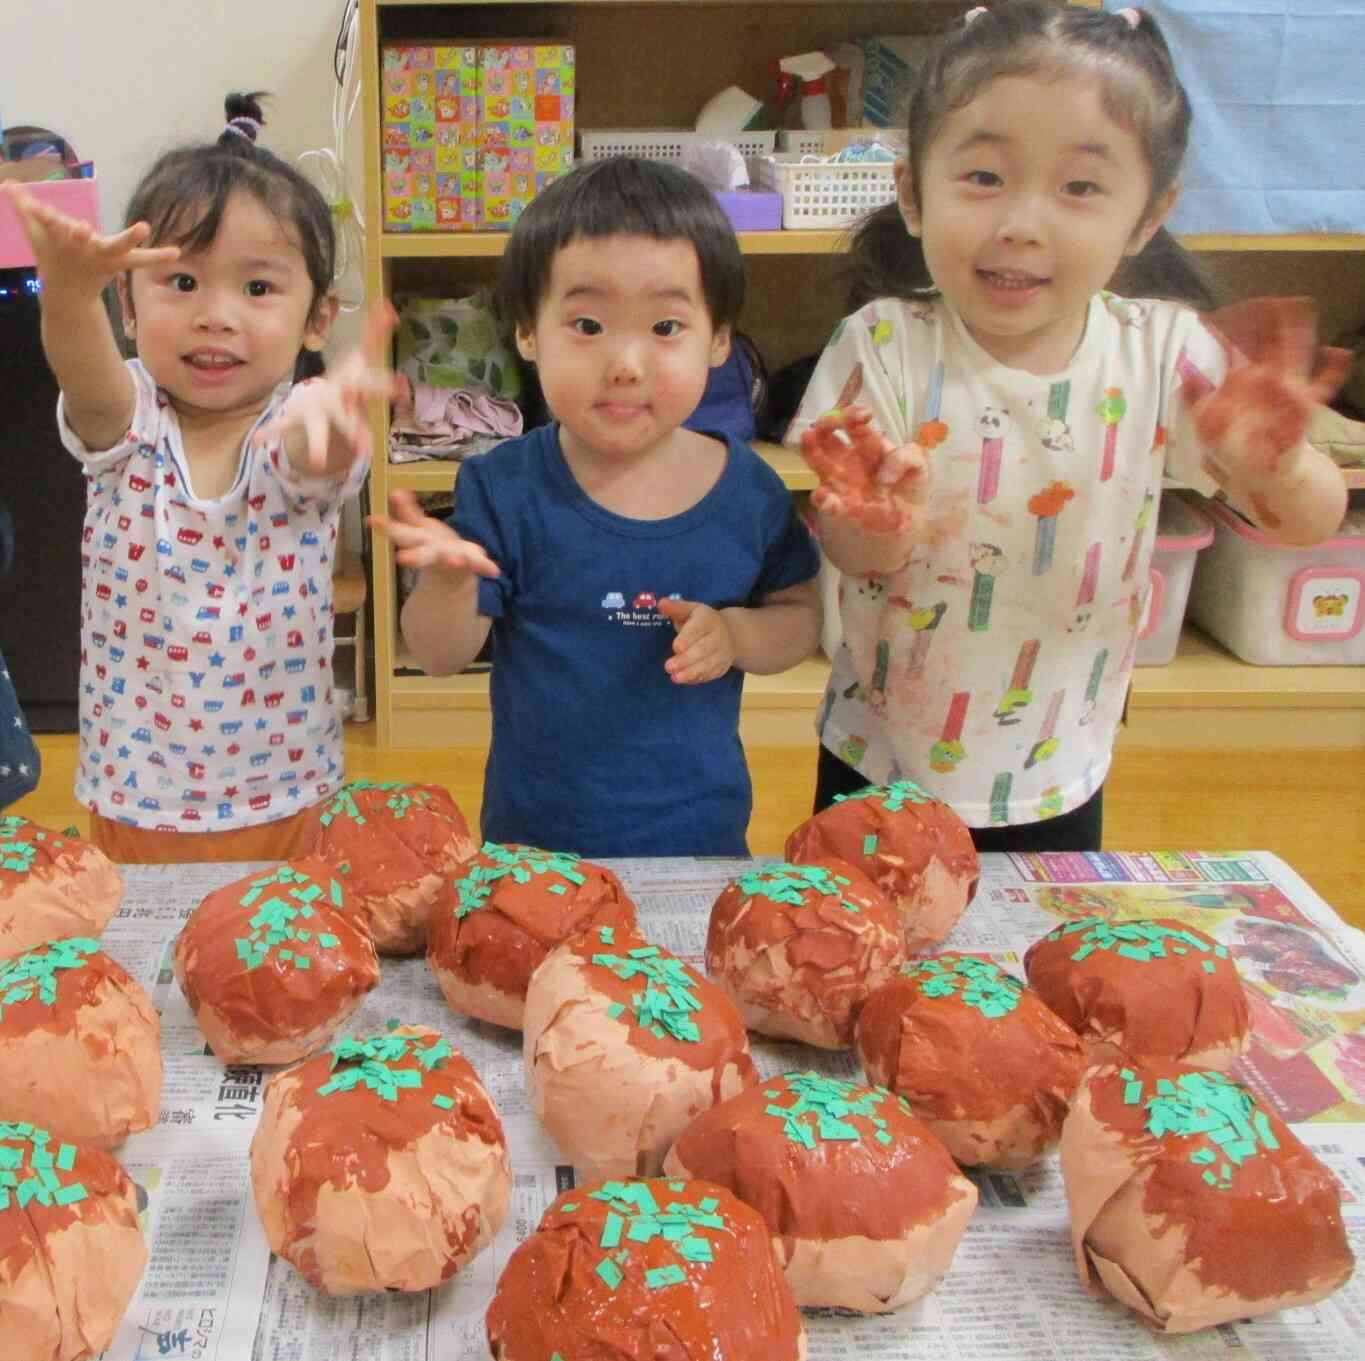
1028, 199
623, 342
221, 328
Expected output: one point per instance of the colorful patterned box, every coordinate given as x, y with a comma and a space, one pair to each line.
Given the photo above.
526, 132
471, 132
431, 138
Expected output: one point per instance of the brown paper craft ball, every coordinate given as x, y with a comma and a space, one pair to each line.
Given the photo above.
639, 1270
80, 1045
801, 947
865, 1206
71, 1247
380, 1165
402, 843
1192, 1203
1145, 989
977, 1055
273, 964
513, 905
624, 1044
914, 848
51, 885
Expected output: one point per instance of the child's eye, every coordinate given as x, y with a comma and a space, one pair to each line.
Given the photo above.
671, 327
183, 283
258, 288
586, 326
1082, 188
983, 179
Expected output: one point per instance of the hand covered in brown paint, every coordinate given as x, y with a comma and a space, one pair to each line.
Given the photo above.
863, 476
1255, 423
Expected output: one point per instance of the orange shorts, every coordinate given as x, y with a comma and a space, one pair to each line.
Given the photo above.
286, 839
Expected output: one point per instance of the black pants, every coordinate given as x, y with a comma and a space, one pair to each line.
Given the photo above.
1078, 830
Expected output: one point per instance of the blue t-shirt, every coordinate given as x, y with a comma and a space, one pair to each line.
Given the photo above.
595, 748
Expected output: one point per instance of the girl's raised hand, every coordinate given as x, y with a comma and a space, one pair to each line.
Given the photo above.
323, 425
863, 476
1277, 374
74, 260
423, 541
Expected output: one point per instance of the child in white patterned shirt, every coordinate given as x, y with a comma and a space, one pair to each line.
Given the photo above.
207, 726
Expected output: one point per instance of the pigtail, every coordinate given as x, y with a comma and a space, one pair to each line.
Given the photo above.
244, 119
884, 260
1165, 269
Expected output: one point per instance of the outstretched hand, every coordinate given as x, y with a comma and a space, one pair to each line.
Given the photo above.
703, 649
74, 260
863, 476
1277, 374
324, 424
420, 540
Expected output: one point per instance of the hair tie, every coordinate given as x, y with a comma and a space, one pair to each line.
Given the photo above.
974, 13
244, 127
1132, 17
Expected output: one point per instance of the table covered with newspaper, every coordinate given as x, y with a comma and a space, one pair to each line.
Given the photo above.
212, 1289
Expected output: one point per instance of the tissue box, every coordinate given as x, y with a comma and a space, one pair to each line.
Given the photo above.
77, 198
472, 132
525, 126
431, 138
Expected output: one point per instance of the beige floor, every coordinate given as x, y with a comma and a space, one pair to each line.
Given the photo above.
1307, 806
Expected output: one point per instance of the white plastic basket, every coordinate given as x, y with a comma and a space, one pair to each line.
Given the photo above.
825, 194
1182, 530
663, 144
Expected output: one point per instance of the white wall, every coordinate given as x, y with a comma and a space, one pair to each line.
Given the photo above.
125, 80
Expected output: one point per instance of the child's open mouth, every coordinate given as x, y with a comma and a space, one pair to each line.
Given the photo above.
210, 361
1011, 279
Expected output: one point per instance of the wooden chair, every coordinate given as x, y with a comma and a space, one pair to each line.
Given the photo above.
349, 592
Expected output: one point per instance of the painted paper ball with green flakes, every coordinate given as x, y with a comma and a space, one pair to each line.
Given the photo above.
80, 1045
513, 905
979, 1057
274, 963
1193, 1203
71, 1246
52, 884
639, 1270
402, 844
913, 846
380, 1164
623, 1044
1146, 989
865, 1207
800, 948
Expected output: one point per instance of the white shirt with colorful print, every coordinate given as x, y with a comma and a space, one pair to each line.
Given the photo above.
206, 631
992, 669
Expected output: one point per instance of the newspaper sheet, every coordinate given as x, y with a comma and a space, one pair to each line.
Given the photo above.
212, 1289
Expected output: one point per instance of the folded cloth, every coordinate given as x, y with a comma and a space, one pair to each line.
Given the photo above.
435, 422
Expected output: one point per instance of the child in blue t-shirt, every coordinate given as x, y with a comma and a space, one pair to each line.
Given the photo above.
630, 570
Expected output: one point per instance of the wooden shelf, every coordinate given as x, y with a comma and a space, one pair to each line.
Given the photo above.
440, 474
819, 241
1206, 697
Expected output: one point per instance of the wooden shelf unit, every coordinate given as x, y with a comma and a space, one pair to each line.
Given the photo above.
714, 43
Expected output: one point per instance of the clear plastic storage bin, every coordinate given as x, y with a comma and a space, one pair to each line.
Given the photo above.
1280, 606
1182, 529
